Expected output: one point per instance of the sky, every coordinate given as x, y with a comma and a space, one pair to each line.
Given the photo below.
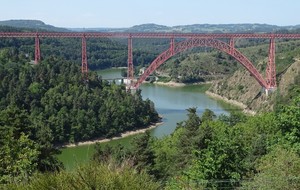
127, 13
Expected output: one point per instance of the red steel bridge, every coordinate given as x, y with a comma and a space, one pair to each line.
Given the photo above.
223, 42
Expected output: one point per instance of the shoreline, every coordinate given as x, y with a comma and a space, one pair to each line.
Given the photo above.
170, 83
233, 102
123, 135
178, 84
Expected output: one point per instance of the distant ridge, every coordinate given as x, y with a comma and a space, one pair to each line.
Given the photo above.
198, 28
151, 27
211, 28
32, 24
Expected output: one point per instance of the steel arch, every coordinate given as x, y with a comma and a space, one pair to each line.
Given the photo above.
202, 42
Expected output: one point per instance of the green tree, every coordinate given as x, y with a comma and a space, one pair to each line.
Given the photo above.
144, 153
208, 115
193, 122
288, 122
279, 169
222, 160
18, 157
234, 118
188, 138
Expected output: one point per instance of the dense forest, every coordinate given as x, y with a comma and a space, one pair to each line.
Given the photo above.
49, 104
204, 152
228, 152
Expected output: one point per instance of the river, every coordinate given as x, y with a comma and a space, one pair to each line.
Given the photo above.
170, 102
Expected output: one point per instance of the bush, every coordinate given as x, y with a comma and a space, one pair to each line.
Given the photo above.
105, 175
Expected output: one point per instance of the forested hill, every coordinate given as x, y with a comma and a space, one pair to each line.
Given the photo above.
32, 24
50, 104
209, 28
199, 28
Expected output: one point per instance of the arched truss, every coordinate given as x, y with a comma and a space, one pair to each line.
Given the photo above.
201, 42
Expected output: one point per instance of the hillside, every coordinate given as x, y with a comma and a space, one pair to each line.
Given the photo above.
198, 66
197, 28
32, 24
208, 28
46, 105
151, 27
243, 88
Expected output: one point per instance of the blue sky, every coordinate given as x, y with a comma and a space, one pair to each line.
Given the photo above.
126, 13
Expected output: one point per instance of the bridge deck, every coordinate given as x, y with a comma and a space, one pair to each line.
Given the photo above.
142, 35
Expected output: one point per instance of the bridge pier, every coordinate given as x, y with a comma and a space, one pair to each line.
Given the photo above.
172, 46
84, 65
37, 51
271, 67
231, 44
130, 61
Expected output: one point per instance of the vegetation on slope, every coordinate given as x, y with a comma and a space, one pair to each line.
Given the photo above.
235, 151
228, 152
31, 24
199, 67
105, 175
204, 28
242, 87
49, 104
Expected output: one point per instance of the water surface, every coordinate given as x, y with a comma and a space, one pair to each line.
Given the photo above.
170, 102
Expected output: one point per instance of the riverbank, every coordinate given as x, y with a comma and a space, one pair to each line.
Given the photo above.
170, 83
233, 102
179, 84
123, 135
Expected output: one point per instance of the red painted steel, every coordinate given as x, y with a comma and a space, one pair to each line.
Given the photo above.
37, 50
231, 43
142, 35
130, 73
84, 64
202, 42
172, 46
193, 40
271, 68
